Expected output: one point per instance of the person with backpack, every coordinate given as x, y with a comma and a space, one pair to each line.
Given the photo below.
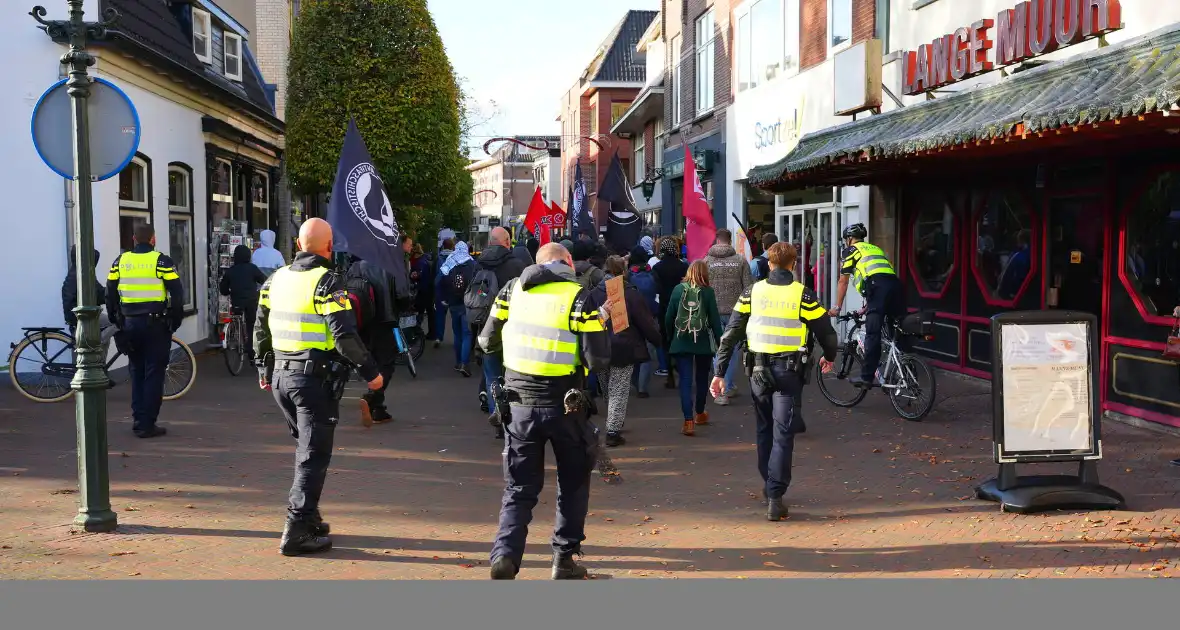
695, 327
497, 266
729, 276
371, 291
760, 266
587, 273
629, 347
439, 325
640, 275
669, 272
454, 276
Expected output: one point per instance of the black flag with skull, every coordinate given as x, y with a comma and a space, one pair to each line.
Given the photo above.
363, 220
624, 224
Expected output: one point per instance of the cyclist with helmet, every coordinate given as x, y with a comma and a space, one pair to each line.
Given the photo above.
874, 278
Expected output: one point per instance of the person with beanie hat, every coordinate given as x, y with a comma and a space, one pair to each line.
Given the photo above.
669, 273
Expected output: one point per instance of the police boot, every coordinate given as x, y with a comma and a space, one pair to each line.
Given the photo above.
504, 569
566, 568
775, 509
300, 538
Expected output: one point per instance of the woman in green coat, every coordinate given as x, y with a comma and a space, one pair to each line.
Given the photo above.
695, 327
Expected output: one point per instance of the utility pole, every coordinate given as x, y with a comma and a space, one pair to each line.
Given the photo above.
90, 380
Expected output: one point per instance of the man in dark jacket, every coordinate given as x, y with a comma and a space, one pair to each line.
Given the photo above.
507, 266
377, 336
69, 301
587, 273
669, 273
521, 251
242, 283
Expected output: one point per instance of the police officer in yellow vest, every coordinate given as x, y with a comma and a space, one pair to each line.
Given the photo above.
548, 332
874, 278
145, 299
306, 319
774, 317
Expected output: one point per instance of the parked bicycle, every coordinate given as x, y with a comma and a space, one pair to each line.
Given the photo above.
905, 377
236, 347
42, 365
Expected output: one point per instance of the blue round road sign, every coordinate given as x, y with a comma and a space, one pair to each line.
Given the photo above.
114, 129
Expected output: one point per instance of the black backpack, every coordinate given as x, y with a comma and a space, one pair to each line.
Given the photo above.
362, 296
481, 294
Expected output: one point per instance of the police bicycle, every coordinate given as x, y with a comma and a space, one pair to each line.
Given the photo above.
42, 365
905, 378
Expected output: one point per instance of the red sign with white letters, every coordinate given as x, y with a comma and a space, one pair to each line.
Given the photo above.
1031, 29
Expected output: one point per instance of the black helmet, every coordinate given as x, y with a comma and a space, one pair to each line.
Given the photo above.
856, 230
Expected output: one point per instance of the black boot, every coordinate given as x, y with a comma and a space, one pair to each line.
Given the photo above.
615, 439
566, 568
775, 509
318, 526
299, 538
504, 569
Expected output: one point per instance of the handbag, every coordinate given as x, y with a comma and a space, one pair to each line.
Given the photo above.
1172, 346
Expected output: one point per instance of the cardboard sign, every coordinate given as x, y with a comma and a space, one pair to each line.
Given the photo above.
1075, 257
617, 304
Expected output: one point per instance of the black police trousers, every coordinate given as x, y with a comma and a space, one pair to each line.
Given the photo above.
311, 412
575, 446
150, 345
777, 424
885, 300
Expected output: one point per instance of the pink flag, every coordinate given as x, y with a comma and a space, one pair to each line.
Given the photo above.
700, 230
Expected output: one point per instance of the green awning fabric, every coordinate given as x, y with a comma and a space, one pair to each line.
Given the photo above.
1132, 78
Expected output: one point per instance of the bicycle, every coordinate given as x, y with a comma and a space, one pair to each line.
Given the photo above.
44, 375
411, 341
900, 375
235, 348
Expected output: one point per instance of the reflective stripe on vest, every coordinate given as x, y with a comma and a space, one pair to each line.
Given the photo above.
872, 262
294, 324
138, 281
537, 337
774, 326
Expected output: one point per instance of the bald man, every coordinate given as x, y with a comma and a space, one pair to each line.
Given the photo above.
500, 259
306, 320
549, 332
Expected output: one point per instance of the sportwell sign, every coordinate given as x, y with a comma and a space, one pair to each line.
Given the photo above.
1031, 29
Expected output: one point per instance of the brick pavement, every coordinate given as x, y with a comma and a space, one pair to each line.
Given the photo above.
873, 496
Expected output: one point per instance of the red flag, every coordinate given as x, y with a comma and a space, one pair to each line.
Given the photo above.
700, 230
537, 210
557, 216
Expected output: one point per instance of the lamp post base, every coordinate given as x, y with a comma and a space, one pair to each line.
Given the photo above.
97, 522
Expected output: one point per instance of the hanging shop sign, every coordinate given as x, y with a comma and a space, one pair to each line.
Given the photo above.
1031, 29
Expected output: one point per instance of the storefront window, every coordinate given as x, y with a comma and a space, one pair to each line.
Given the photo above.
1003, 245
135, 204
180, 230
934, 242
1152, 247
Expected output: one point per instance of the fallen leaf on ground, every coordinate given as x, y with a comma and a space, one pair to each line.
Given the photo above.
773, 564
122, 553
467, 566
130, 509
769, 553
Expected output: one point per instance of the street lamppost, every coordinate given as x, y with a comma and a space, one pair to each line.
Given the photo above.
90, 380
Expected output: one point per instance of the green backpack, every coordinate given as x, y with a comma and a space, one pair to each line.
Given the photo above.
690, 318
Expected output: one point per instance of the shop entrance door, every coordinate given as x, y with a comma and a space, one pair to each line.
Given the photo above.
800, 227
1076, 229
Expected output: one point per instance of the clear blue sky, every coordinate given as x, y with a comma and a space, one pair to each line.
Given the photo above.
524, 54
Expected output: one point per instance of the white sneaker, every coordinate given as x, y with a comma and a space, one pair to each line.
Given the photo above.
731, 392
722, 400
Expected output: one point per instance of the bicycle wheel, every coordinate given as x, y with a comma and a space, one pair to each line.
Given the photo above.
182, 370
416, 342
915, 398
41, 366
835, 385
234, 351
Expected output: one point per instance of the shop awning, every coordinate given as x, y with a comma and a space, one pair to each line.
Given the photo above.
1135, 78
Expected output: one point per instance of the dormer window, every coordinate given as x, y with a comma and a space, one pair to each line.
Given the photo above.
202, 28
233, 57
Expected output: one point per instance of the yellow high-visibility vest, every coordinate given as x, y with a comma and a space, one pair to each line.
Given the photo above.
537, 338
774, 326
872, 262
297, 314
139, 280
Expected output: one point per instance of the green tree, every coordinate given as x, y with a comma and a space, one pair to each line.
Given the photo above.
381, 62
